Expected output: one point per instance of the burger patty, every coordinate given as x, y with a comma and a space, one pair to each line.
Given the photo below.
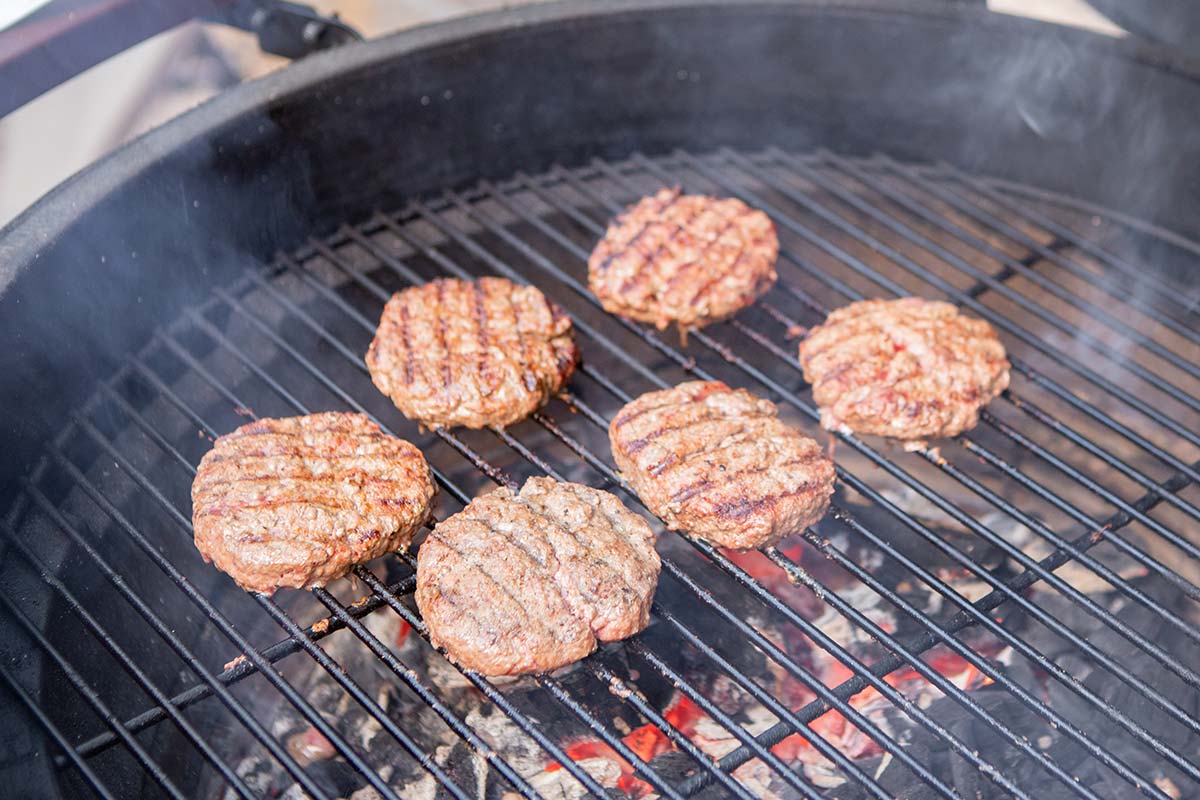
297, 502
718, 464
532, 581
907, 368
687, 259
471, 353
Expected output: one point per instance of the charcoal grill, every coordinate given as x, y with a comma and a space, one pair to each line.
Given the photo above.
1009, 613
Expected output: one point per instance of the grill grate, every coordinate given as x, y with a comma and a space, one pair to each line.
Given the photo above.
1049, 545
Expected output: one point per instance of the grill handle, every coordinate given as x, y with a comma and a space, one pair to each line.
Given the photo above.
65, 37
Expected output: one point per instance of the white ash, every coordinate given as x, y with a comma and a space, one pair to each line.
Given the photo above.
757, 776
1074, 573
846, 633
561, 785
909, 501
762, 782
257, 772
1019, 535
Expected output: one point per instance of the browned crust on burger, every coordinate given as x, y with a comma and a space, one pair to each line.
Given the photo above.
684, 259
718, 464
297, 502
471, 353
532, 581
907, 368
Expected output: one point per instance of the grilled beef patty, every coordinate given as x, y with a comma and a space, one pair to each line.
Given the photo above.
471, 353
297, 502
687, 259
531, 581
718, 464
907, 368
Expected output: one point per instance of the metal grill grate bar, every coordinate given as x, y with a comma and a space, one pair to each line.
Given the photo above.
699, 336
622, 689
377, 713
501, 266
826, 749
91, 696
1038, 527
486, 688
593, 227
770, 600
1071, 549
473, 458
110, 644
1079, 516
1164, 291
499, 231
737, 324
954, 512
1060, 393
913, 267
1049, 252
226, 342
1009, 595
34, 709
894, 224
1028, 699
241, 669
1127, 514
970, 445
138, 723
234, 706
1070, 434
814, 633
255, 656
297, 635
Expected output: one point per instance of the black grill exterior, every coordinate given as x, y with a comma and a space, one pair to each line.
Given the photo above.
1013, 612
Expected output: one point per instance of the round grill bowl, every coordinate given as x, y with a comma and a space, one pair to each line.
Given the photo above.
662, 90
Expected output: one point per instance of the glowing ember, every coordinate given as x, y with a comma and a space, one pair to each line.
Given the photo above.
649, 741
646, 742
402, 633
836, 729
308, 746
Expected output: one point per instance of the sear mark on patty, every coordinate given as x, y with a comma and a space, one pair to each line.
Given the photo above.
297, 502
532, 581
906, 368
471, 353
718, 464
683, 259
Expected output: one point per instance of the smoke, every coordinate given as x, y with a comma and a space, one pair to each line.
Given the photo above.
1073, 112
120, 250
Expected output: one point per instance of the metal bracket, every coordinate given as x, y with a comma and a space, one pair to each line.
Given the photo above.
65, 37
286, 29
1173, 22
